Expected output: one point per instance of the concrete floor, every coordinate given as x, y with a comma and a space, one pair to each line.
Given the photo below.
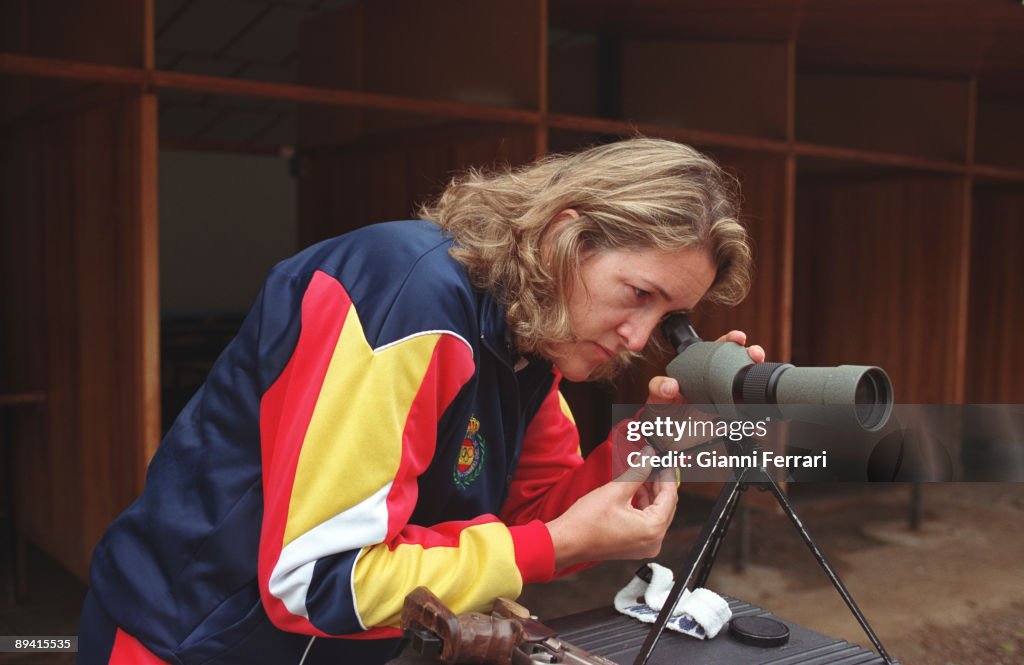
949, 593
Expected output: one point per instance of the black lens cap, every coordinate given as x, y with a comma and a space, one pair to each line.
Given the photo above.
759, 631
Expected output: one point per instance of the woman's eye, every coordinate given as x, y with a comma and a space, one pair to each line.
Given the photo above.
640, 293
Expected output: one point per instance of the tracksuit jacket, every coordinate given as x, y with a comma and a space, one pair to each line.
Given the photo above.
364, 434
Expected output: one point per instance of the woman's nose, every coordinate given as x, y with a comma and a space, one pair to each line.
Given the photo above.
636, 331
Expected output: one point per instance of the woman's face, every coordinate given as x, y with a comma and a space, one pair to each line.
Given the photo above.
621, 295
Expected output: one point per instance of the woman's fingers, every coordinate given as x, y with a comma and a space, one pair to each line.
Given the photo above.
663, 390
756, 351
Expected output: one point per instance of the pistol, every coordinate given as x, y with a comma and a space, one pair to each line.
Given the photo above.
506, 636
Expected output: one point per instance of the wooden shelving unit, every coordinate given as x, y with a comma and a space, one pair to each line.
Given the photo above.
879, 146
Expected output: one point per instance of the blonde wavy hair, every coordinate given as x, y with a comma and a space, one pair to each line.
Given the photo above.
632, 194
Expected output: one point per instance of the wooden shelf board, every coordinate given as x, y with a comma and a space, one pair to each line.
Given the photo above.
879, 158
997, 173
156, 79
699, 136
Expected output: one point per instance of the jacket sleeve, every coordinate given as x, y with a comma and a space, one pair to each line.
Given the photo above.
552, 474
345, 431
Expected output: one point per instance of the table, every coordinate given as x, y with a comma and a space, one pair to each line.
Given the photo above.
617, 637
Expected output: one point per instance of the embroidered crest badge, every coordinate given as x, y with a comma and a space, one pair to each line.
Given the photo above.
471, 456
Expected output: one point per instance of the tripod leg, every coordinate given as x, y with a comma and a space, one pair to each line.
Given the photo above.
720, 515
717, 537
836, 582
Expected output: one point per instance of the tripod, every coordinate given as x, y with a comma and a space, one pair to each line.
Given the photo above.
702, 556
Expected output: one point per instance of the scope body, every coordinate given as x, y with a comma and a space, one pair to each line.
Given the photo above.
722, 375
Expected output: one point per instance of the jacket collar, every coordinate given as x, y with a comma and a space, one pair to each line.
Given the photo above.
497, 337
494, 332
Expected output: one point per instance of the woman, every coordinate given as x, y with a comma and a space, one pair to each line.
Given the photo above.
389, 417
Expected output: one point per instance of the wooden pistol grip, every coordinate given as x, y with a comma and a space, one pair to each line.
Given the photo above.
468, 639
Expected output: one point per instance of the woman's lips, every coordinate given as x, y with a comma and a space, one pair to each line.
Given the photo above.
603, 352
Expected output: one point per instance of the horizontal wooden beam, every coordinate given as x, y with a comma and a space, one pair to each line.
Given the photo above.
220, 85
30, 65
154, 79
344, 98
878, 158
997, 172
699, 136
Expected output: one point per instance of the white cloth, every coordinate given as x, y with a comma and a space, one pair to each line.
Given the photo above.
700, 613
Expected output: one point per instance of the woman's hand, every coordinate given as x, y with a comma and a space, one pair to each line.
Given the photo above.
628, 517
605, 524
740, 337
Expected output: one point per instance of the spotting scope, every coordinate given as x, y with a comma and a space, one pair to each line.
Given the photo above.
722, 376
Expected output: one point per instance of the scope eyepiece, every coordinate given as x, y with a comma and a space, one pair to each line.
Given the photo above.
679, 333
